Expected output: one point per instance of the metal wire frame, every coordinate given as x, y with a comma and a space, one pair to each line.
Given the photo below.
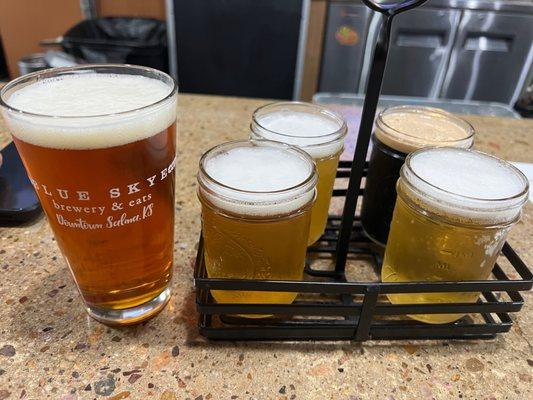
332, 308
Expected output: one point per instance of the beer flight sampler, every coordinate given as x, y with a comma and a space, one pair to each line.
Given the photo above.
99, 146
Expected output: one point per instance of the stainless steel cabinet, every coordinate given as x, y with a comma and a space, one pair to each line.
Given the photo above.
344, 47
454, 49
489, 60
420, 44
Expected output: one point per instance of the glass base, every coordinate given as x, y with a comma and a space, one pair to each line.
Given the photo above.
436, 318
130, 316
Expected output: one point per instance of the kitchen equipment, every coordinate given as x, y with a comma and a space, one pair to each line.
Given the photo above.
31, 63
459, 49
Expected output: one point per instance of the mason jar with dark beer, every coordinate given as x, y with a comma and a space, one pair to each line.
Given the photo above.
99, 145
316, 130
400, 131
256, 199
454, 210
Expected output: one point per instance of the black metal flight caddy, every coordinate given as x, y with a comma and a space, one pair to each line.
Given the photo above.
341, 296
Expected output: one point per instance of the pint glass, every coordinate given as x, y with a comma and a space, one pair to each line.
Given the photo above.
99, 145
315, 130
452, 215
256, 201
400, 131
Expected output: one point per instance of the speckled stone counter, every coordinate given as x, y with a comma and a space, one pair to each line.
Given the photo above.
50, 348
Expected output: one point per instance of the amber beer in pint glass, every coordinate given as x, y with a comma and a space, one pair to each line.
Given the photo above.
99, 145
317, 131
256, 201
452, 215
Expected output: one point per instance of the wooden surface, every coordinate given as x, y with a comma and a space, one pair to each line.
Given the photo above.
132, 8
50, 348
313, 49
23, 23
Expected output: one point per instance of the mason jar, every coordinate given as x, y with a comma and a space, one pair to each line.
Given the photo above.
453, 212
256, 199
316, 130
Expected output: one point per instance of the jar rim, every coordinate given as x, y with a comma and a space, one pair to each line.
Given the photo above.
456, 200
340, 133
387, 128
308, 183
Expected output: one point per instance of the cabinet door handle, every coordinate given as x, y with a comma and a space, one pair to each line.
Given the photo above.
477, 42
420, 39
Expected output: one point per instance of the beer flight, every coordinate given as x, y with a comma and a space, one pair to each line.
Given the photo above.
99, 145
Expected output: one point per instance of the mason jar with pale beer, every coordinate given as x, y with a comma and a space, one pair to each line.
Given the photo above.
99, 145
452, 215
256, 201
317, 131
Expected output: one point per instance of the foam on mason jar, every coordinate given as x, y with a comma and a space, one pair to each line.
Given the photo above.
87, 102
256, 179
407, 129
467, 184
312, 132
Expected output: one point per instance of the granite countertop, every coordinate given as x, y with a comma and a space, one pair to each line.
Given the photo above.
50, 348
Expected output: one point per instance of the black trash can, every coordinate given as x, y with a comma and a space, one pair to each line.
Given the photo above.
140, 41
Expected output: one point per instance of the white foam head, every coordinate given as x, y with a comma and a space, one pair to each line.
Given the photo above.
88, 110
313, 128
409, 128
259, 178
466, 184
